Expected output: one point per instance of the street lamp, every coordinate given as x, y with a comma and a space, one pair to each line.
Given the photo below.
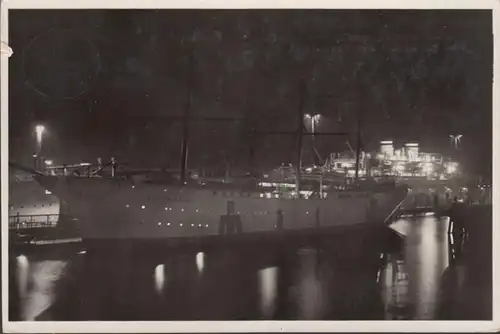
455, 139
39, 130
314, 120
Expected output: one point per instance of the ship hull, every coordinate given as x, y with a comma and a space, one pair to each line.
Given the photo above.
112, 209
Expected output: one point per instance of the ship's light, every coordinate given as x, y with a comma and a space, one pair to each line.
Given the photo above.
197, 210
164, 189
180, 224
159, 223
127, 206
307, 212
261, 195
199, 225
143, 207
206, 225
168, 224
166, 209
192, 225
133, 187
182, 210
47, 192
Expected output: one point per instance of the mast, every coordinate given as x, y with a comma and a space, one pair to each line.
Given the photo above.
187, 114
300, 135
358, 148
359, 139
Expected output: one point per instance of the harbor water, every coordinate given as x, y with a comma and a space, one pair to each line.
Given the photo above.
421, 274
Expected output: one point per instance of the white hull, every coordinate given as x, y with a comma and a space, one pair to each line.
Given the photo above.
116, 209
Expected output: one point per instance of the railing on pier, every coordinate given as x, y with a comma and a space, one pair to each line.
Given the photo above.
21, 222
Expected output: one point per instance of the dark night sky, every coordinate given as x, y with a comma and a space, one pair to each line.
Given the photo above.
417, 75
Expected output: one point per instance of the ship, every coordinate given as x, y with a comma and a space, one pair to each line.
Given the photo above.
29, 202
117, 206
169, 205
120, 208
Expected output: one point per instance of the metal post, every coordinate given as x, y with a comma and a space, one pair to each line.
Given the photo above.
358, 148
113, 167
321, 185
187, 113
300, 134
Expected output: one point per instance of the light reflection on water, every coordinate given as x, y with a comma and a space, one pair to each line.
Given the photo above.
309, 286
200, 261
413, 277
268, 290
36, 282
310, 283
159, 277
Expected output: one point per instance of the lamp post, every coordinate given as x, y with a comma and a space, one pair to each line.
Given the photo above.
39, 131
314, 121
455, 140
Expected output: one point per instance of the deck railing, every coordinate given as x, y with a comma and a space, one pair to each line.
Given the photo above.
20, 222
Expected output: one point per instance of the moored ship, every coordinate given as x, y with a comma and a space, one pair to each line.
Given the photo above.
111, 207
118, 208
